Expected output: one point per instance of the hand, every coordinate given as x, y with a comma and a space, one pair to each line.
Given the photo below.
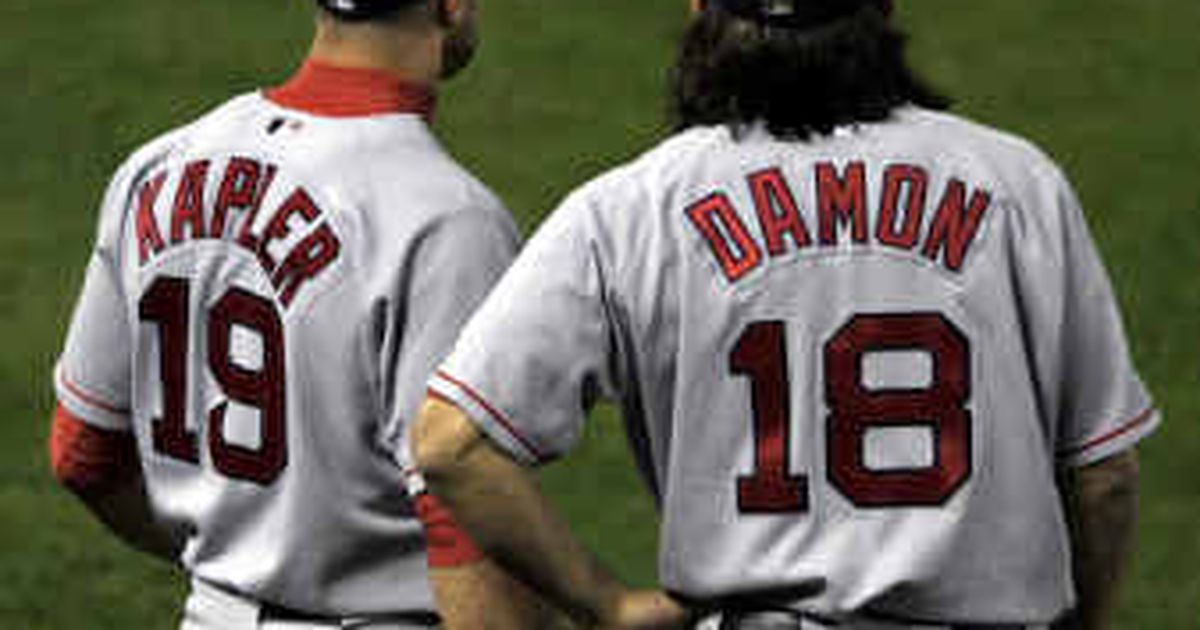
648, 610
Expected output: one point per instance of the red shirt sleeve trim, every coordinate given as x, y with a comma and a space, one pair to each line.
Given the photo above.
496, 414
89, 460
90, 399
1141, 419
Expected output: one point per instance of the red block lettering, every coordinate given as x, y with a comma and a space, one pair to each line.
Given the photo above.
896, 179
726, 234
305, 261
246, 238
189, 202
148, 236
953, 231
777, 211
299, 203
841, 200
238, 190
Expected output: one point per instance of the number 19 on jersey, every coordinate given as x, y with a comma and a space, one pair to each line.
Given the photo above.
166, 304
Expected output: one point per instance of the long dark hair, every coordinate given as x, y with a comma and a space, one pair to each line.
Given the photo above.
799, 82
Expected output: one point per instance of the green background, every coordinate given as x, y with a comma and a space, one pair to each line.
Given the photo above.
562, 90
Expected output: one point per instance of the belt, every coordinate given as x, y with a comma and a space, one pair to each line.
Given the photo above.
276, 613
792, 620
212, 606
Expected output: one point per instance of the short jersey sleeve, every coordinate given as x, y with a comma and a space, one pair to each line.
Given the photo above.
1102, 406
450, 269
93, 376
534, 357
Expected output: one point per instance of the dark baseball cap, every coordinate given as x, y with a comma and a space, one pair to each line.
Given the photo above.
364, 9
799, 14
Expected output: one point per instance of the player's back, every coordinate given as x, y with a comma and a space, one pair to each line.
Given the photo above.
267, 258
849, 358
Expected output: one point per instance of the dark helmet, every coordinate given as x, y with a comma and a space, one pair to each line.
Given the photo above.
363, 9
796, 14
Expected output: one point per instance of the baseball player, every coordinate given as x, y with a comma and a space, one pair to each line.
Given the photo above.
270, 287
856, 340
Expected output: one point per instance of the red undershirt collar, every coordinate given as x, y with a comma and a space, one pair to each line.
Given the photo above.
328, 90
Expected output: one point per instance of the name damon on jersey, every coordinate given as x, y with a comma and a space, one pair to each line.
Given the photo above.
840, 202
293, 243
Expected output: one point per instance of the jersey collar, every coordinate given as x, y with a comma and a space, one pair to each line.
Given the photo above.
323, 89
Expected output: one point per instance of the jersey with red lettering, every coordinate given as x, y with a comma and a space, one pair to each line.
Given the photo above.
269, 290
851, 367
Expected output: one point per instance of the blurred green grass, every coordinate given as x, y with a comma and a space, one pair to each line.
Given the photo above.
562, 90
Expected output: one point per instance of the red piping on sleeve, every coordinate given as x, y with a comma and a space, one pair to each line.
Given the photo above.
90, 399
1141, 419
498, 416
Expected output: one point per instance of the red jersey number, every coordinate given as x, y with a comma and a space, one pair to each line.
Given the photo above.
166, 304
761, 356
854, 410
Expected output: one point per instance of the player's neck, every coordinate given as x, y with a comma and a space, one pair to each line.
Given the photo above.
413, 56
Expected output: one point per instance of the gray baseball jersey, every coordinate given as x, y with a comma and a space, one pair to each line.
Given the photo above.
851, 367
269, 291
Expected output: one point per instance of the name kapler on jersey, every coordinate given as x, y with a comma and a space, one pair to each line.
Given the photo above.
840, 197
295, 227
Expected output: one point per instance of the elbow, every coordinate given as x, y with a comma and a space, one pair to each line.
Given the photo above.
441, 438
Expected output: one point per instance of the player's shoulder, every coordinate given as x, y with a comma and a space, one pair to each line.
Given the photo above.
1010, 155
389, 171
1021, 176
676, 154
159, 148
433, 185
150, 156
389, 184
623, 197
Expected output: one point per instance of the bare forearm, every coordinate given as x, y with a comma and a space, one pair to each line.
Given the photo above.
483, 595
126, 512
499, 504
1103, 501
101, 468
